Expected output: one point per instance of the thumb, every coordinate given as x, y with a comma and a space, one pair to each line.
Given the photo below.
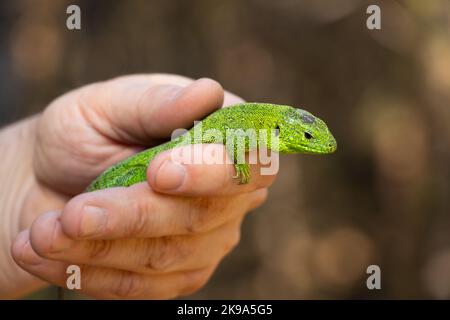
142, 109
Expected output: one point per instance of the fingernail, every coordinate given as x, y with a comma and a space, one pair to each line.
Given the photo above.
170, 175
60, 241
93, 221
28, 256
19, 244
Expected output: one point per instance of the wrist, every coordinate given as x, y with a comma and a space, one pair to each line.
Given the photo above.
22, 198
16, 146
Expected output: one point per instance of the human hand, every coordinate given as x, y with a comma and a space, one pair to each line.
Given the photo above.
157, 239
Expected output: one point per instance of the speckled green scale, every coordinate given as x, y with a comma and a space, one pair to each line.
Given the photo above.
298, 131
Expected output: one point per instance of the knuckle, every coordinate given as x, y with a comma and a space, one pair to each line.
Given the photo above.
127, 286
140, 224
202, 212
99, 249
163, 253
198, 209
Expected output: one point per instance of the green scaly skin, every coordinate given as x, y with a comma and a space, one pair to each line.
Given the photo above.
298, 132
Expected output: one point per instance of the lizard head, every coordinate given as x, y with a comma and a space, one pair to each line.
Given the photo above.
300, 131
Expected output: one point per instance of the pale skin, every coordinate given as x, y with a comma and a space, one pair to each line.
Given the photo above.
154, 240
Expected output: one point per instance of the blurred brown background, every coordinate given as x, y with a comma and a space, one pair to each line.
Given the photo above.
382, 199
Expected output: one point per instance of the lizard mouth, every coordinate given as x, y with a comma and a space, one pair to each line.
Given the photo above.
330, 147
327, 148
320, 150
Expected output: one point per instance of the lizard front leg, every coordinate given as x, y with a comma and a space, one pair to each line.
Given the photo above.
242, 172
237, 145
236, 150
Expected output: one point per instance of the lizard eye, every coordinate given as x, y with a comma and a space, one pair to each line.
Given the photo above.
277, 131
308, 135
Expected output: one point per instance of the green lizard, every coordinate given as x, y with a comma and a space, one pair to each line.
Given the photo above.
298, 131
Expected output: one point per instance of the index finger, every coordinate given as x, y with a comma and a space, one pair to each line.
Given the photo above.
139, 212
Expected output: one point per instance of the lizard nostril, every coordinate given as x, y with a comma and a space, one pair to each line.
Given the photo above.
332, 145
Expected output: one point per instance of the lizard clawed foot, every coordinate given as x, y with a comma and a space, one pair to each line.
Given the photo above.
242, 173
